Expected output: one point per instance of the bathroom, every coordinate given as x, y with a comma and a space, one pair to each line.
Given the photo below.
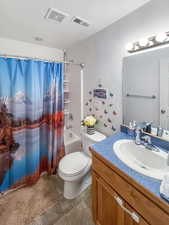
84, 128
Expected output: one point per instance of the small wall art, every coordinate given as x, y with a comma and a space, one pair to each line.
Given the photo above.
100, 102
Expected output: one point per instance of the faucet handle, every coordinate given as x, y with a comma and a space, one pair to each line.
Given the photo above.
147, 139
138, 129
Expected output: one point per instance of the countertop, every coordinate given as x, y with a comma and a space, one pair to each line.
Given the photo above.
105, 149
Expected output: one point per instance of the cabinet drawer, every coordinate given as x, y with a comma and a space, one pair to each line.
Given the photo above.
144, 206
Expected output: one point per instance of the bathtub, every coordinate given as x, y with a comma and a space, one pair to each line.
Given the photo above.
72, 142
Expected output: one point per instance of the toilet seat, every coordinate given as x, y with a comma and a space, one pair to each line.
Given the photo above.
73, 164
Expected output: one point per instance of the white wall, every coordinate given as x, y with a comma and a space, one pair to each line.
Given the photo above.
14, 47
103, 52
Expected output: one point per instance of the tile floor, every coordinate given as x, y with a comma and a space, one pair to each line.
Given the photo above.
67, 212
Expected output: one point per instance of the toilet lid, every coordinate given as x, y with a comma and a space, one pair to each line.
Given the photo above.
73, 163
96, 137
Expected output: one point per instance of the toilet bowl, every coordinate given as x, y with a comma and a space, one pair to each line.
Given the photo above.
74, 168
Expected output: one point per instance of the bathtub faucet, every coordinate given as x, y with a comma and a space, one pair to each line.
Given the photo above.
69, 127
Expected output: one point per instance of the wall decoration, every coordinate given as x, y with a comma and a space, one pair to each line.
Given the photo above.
102, 104
113, 128
105, 112
109, 120
100, 93
114, 113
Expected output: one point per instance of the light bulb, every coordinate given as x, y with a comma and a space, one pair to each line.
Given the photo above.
161, 37
150, 43
143, 42
136, 47
129, 47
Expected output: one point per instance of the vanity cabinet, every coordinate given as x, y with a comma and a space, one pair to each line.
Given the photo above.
112, 209
116, 201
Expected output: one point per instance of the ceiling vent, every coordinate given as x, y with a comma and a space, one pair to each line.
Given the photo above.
80, 21
55, 15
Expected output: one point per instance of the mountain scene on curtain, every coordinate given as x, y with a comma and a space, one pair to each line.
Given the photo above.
28, 123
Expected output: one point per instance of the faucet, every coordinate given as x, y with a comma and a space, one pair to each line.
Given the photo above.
144, 140
148, 143
69, 127
147, 140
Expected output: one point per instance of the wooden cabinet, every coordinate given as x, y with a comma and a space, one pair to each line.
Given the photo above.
106, 197
115, 201
111, 209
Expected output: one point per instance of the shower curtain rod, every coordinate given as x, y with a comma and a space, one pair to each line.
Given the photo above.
41, 59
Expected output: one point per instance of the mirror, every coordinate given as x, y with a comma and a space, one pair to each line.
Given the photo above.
146, 89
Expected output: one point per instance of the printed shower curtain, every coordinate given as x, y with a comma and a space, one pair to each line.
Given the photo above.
31, 120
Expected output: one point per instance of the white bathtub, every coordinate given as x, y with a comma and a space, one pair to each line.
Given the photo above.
72, 142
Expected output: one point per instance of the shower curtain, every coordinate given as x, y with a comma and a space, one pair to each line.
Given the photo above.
31, 120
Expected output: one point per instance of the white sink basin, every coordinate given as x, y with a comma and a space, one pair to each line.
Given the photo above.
142, 160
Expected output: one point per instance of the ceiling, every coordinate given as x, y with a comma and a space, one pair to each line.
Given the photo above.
24, 19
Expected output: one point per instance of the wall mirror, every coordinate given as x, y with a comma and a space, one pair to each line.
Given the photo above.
146, 89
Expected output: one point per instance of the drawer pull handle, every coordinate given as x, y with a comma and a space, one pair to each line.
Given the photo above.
134, 216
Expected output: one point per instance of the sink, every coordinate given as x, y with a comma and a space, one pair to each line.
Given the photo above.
150, 163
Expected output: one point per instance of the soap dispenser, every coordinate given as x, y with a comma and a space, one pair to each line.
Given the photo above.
132, 125
138, 136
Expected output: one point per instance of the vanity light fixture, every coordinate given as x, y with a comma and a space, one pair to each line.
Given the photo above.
145, 43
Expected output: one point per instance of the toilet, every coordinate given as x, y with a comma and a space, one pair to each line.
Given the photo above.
74, 168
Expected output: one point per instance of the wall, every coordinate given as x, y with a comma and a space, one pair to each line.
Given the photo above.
13, 47
103, 52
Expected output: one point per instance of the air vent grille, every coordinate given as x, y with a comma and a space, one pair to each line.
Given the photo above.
80, 21
55, 15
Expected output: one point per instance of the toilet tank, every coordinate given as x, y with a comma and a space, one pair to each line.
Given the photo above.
88, 140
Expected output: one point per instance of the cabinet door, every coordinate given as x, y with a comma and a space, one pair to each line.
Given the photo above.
94, 196
109, 208
109, 212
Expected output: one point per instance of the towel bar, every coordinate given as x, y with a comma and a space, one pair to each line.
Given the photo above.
141, 96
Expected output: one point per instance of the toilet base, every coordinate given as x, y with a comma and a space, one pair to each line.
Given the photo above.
74, 188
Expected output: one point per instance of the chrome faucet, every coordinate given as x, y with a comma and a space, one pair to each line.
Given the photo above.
69, 127
148, 143
144, 140
147, 140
